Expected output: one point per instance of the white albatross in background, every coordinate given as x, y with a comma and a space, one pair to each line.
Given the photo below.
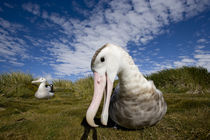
44, 91
135, 103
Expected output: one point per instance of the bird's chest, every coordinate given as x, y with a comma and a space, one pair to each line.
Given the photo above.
133, 111
132, 104
42, 90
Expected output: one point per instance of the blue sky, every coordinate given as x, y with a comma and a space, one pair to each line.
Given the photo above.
57, 39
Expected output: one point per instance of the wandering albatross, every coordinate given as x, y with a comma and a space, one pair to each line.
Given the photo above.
135, 103
44, 91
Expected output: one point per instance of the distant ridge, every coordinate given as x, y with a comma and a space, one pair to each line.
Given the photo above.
194, 80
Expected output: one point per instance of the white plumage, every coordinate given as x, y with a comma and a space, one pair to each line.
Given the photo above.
135, 103
44, 91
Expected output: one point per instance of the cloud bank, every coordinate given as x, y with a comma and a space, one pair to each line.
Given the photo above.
12, 47
118, 22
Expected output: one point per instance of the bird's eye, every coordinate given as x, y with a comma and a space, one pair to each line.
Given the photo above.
102, 59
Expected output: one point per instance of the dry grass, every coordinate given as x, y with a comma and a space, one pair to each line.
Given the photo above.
16, 84
63, 85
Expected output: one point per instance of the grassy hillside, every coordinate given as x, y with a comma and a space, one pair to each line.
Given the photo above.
62, 117
63, 86
185, 79
16, 84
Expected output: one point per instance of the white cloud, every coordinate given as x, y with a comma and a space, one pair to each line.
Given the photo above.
8, 5
11, 27
179, 64
33, 8
201, 57
48, 77
188, 60
184, 62
2, 60
11, 46
142, 48
90, 3
202, 40
138, 21
200, 46
168, 64
203, 60
15, 63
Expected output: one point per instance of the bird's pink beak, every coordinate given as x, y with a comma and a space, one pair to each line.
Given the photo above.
100, 82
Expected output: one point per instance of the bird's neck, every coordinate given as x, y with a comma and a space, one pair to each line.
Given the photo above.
42, 86
131, 80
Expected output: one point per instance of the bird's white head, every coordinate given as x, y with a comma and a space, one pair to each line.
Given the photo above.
107, 61
40, 80
105, 65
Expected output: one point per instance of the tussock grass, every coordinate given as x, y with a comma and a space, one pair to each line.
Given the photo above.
81, 88
84, 87
16, 84
185, 79
63, 85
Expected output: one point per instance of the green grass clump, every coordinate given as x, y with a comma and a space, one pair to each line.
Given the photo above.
84, 87
185, 79
16, 84
63, 85
81, 88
